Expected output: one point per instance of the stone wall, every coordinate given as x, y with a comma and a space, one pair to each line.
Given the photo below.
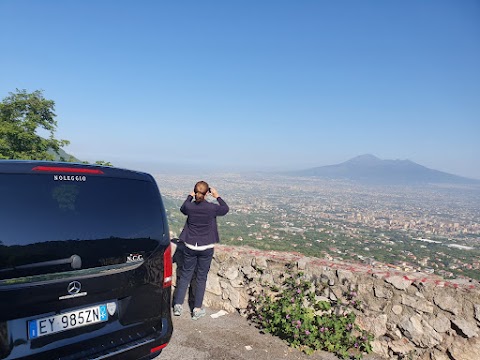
412, 315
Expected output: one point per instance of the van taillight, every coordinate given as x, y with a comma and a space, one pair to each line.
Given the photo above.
68, 170
167, 267
158, 348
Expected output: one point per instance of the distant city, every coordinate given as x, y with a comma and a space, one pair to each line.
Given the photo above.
427, 228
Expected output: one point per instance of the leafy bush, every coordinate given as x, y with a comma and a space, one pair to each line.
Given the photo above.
294, 314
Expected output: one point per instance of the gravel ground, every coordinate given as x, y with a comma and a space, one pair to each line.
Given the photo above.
229, 337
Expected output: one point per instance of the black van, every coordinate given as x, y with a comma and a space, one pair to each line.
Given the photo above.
85, 263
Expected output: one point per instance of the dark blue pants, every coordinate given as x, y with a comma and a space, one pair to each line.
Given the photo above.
194, 260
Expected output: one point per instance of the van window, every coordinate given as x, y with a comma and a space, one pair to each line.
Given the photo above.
101, 219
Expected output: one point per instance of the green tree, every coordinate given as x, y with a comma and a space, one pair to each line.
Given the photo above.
104, 163
22, 116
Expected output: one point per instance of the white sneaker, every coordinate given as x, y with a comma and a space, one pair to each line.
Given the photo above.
177, 309
197, 314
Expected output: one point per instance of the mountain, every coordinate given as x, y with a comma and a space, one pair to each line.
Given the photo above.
370, 169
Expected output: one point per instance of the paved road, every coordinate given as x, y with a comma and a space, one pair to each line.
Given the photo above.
226, 338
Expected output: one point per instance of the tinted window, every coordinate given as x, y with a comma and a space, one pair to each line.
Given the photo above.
42, 219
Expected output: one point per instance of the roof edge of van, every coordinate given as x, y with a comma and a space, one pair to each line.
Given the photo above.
27, 166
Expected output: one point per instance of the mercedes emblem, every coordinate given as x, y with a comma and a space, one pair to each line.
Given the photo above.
74, 287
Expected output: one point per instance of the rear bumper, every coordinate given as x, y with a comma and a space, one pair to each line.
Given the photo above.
137, 345
140, 349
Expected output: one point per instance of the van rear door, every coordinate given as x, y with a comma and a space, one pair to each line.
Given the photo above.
81, 260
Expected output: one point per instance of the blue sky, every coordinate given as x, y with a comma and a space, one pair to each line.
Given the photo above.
253, 84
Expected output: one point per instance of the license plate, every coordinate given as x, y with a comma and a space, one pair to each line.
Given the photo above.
66, 321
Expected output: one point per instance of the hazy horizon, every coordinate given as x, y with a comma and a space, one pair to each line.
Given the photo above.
206, 169
249, 86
